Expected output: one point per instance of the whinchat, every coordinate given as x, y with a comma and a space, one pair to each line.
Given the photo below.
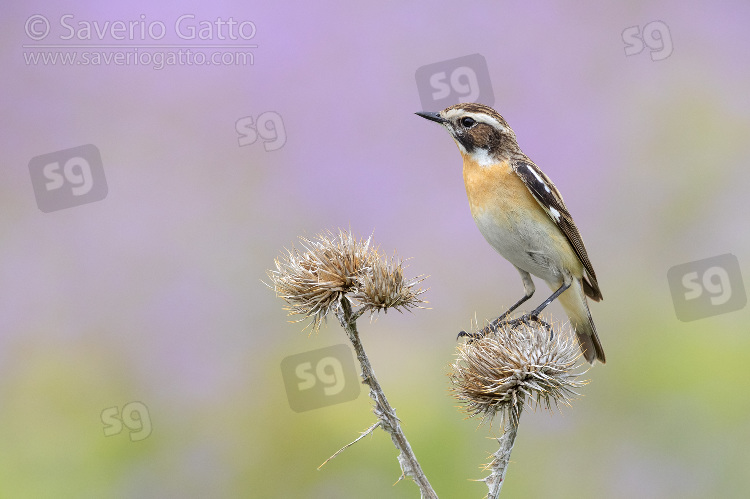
520, 212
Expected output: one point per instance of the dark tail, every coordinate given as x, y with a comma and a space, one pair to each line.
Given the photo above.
574, 302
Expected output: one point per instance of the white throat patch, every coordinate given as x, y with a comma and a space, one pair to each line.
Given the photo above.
482, 157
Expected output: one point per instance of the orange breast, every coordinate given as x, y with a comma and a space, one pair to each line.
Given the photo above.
496, 188
513, 222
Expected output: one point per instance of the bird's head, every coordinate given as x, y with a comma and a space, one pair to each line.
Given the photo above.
479, 131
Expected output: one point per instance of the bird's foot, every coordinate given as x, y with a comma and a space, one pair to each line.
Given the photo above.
527, 319
471, 336
489, 328
530, 320
492, 327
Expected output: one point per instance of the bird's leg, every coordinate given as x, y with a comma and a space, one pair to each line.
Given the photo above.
501, 319
534, 314
528, 286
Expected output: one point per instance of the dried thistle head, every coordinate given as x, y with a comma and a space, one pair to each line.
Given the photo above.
516, 365
335, 267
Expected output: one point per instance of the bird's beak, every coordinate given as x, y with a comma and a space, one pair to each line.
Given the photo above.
432, 117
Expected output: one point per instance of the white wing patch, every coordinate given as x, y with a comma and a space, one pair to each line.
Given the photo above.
542, 182
535, 183
553, 213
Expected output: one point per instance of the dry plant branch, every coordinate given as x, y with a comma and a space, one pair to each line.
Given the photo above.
335, 272
385, 413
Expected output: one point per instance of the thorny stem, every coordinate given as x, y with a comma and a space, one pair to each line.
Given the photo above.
383, 410
499, 465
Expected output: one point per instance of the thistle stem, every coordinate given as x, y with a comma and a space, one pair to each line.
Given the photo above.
499, 465
383, 410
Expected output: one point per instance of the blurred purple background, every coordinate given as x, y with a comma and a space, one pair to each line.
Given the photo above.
154, 293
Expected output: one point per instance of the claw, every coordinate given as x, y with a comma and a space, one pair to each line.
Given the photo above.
535, 318
472, 336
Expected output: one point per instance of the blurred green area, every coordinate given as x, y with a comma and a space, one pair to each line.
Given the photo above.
673, 397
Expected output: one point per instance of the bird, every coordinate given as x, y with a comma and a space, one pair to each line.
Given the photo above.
521, 214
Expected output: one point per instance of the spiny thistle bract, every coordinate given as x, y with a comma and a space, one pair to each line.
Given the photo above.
333, 267
497, 374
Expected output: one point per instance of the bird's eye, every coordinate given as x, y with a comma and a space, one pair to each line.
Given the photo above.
468, 122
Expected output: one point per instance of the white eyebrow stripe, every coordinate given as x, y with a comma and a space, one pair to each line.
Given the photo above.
478, 117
